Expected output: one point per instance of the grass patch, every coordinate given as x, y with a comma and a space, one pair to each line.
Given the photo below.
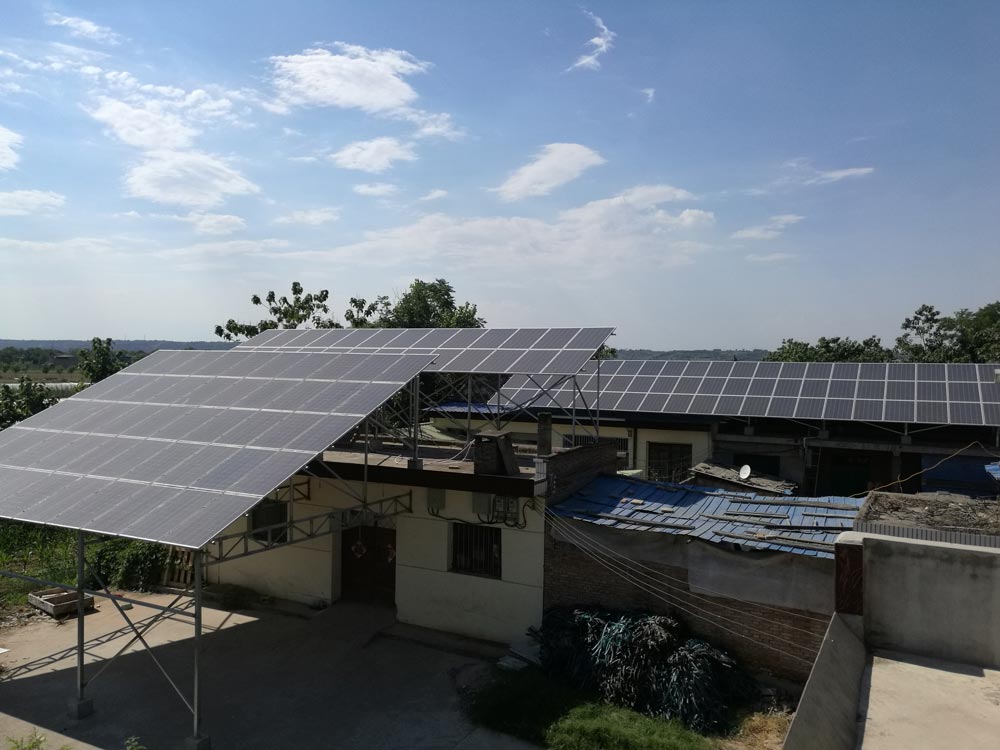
533, 707
598, 726
35, 551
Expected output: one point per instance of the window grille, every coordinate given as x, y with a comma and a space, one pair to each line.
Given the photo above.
269, 513
475, 550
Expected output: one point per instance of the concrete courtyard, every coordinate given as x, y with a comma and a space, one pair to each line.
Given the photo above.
335, 680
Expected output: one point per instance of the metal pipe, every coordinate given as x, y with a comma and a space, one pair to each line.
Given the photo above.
597, 427
573, 416
498, 400
196, 696
81, 611
468, 408
415, 396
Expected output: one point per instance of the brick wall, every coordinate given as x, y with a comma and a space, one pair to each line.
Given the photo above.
573, 578
569, 470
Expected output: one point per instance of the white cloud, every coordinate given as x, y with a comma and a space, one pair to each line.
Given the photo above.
145, 126
228, 248
599, 45
836, 175
310, 217
81, 28
650, 94
770, 257
376, 155
800, 171
188, 178
376, 189
433, 195
24, 202
594, 240
303, 159
352, 77
774, 227
8, 141
555, 165
215, 223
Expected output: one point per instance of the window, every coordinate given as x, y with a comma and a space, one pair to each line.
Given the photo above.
571, 441
668, 462
269, 513
475, 550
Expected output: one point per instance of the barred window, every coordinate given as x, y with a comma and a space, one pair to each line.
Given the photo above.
475, 550
269, 513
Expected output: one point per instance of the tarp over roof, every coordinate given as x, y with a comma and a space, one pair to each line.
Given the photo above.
485, 351
178, 446
803, 525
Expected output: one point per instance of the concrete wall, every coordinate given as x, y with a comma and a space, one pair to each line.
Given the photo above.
753, 604
828, 711
933, 599
638, 438
428, 593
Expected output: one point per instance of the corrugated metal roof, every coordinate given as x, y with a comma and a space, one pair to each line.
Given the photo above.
802, 525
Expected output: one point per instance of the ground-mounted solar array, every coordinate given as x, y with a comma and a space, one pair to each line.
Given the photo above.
960, 394
497, 351
178, 446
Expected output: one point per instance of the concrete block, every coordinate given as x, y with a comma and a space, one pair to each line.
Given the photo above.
198, 743
80, 709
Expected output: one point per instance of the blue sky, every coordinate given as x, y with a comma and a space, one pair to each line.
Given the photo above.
696, 174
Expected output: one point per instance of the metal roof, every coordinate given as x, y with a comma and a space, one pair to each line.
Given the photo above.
801, 525
178, 446
901, 392
994, 470
488, 351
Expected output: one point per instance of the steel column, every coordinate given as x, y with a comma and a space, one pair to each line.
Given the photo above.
81, 706
597, 426
468, 408
197, 740
414, 462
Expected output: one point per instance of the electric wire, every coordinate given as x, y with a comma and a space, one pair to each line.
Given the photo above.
655, 574
929, 468
713, 621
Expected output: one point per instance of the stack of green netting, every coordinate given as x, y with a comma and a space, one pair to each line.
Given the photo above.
643, 662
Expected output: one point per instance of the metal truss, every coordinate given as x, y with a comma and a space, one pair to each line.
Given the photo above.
294, 531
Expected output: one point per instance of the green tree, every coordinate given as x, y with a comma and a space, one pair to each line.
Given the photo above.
285, 312
606, 352
21, 401
966, 336
101, 360
430, 304
834, 349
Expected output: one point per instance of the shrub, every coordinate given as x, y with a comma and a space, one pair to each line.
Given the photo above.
601, 727
127, 564
642, 662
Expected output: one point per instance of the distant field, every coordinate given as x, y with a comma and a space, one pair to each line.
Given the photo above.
40, 377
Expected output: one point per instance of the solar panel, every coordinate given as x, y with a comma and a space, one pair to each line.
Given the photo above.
497, 351
176, 447
923, 393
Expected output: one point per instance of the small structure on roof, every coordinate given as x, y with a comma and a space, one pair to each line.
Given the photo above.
802, 525
937, 516
708, 474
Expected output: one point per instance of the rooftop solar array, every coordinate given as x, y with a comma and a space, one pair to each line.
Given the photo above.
944, 394
178, 446
498, 351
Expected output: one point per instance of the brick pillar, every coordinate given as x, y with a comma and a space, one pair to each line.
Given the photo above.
544, 434
849, 586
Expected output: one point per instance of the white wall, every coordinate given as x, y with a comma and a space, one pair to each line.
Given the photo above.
428, 593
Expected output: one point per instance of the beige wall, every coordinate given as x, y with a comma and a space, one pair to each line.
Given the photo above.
428, 593
638, 438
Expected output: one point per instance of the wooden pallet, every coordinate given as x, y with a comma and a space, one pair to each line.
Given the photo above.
178, 573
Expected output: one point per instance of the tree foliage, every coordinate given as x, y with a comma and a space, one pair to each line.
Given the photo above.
284, 312
101, 360
835, 349
21, 401
426, 304
928, 336
966, 336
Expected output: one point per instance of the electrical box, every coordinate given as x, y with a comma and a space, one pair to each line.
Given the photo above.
435, 499
505, 508
482, 503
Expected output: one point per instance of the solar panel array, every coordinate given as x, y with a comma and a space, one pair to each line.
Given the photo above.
944, 394
498, 351
178, 446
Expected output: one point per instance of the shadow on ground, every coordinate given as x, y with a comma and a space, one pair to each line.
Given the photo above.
268, 681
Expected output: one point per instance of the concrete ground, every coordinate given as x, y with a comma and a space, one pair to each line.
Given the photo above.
912, 702
268, 681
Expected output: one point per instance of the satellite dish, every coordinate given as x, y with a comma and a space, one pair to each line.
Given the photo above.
745, 471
